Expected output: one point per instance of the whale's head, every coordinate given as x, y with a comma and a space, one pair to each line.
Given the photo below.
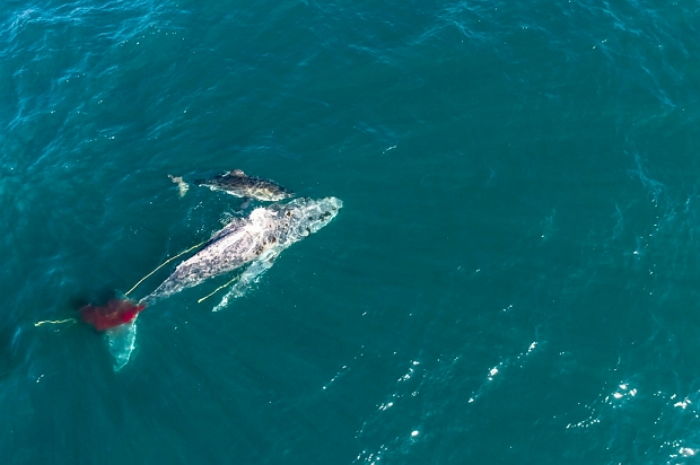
303, 216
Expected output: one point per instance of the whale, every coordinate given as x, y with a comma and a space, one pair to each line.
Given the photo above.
239, 184
265, 232
249, 243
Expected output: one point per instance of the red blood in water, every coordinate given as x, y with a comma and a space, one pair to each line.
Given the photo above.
115, 313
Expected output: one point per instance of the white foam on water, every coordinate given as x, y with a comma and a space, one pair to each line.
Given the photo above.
683, 404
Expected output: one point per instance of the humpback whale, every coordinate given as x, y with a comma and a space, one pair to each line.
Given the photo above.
239, 184
265, 232
254, 241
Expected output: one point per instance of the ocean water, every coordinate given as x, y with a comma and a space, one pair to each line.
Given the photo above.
512, 279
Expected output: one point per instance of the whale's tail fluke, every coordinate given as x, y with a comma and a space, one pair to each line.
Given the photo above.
121, 341
117, 319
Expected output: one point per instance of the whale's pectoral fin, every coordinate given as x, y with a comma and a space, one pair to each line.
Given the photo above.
121, 342
249, 278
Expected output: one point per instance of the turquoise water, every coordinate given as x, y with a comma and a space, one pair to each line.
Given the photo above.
512, 278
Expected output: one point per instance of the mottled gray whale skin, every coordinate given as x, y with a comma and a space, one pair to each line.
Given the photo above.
238, 183
266, 230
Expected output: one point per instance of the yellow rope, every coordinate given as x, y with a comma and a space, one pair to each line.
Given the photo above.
161, 266
54, 322
216, 290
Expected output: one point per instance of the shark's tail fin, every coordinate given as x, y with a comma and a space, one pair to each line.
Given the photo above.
182, 186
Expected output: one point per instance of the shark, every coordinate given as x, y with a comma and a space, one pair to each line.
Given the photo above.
239, 184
